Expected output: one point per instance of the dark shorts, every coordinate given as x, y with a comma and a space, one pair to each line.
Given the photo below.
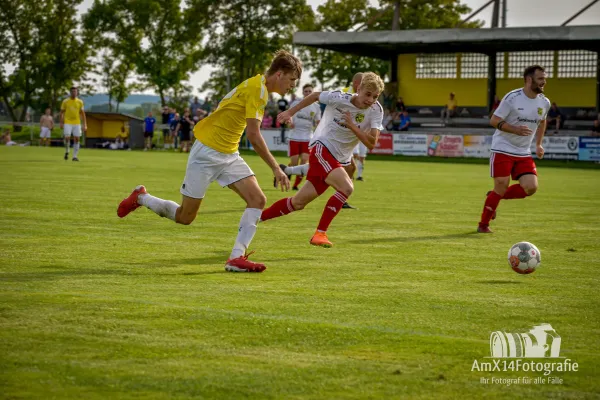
148, 134
185, 136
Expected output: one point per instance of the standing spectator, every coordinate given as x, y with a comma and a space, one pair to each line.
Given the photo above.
199, 115
46, 126
165, 117
267, 122
149, 122
173, 125
554, 115
404, 121
194, 106
271, 108
71, 115
400, 105
596, 129
387, 119
185, 127
449, 110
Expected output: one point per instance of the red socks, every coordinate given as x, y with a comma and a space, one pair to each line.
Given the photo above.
279, 208
298, 180
514, 192
332, 208
491, 203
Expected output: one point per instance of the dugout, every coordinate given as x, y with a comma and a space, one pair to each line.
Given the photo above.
476, 64
103, 126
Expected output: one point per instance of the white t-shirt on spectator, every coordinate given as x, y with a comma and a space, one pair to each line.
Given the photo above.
333, 133
518, 109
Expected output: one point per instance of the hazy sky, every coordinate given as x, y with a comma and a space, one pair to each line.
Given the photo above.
520, 13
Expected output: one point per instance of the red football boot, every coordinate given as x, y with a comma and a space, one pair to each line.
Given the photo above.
242, 264
130, 203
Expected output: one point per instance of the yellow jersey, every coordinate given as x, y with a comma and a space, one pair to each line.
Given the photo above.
348, 90
72, 108
223, 129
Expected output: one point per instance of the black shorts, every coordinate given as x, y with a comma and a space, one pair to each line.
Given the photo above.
148, 134
185, 136
166, 133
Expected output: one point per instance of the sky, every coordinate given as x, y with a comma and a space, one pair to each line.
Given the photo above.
519, 13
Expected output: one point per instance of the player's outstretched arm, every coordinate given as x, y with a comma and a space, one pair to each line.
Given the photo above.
285, 116
259, 145
501, 125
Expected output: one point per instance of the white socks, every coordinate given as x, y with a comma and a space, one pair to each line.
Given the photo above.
75, 150
301, 170
360, 167
164, 208
66, 146
246, 233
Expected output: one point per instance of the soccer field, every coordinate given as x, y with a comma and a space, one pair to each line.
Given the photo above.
401, 307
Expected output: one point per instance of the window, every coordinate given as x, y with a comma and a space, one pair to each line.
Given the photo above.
517, 62
577, 64
475, 65
436, 66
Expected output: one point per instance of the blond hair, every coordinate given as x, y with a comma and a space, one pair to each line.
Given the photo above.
371, 81
286, 62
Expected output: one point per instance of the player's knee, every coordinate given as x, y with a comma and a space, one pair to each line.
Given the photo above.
347, 191
530, 189
184, 219
258, 200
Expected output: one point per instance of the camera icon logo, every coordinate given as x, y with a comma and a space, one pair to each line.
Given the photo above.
541, 341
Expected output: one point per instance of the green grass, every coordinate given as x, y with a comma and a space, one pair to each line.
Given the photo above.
93, 307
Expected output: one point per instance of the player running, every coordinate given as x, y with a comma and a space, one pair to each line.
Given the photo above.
347, 120
520, 113
215, 157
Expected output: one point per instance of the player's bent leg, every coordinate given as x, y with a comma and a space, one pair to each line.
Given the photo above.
184, 214
249, 190
491, 203
529, 183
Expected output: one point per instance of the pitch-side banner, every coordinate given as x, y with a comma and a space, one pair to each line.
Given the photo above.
445, 146
477, 146
385, 145
559, 147
273, 139
410, 145
589, 148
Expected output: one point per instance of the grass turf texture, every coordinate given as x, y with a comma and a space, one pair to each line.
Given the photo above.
96, 307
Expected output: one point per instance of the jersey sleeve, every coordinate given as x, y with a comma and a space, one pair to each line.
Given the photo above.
504, 108
377, 118
331, 97
547, 110
63, 105
256, 102
317, 112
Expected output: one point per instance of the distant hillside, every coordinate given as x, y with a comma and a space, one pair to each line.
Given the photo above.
133, 100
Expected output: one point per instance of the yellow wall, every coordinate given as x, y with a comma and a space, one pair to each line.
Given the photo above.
110, 129
566, 92
94, 127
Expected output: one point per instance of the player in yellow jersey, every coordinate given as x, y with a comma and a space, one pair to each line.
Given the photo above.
71, 115
215, 157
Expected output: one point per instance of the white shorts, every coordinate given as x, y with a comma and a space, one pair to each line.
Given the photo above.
360, 150
45, 132
72, 129
206, 165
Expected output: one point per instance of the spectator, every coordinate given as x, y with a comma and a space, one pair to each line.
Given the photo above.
173, 126
149, 122
404, 121
6, 139
166, 116
199, 115
194, 106
271, 109
185, 128
554, 115
267, 122
596, 129
46, 126
495, 105
449, 110
396, 120
400, 105
387, 119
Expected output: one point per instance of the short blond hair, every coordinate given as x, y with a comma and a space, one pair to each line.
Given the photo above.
286, 62
371, 81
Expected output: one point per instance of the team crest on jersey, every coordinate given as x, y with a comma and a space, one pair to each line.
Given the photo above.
359, 118
312, 114
540, 111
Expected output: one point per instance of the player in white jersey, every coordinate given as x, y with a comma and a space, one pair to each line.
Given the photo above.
303, 125
347, 120
520, 113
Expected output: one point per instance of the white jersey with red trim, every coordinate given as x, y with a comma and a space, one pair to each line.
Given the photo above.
518, 109
332, 131
305, 121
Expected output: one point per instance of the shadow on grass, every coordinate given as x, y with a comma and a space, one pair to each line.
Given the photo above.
214, 212
498, 282
404, 239
49, 275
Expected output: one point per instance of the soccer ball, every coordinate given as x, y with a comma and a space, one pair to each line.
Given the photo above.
524, 257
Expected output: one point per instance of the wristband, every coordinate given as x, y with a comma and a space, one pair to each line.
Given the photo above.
499, 126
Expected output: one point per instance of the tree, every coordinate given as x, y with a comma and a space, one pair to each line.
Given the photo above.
337, 69
161, 38
115, 72
244, 36
40, 42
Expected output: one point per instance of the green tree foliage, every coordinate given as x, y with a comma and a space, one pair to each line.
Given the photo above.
336, 69
244, 36
41, 46
161, 38
115, 75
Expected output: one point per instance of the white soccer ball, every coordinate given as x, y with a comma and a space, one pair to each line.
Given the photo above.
524, 257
